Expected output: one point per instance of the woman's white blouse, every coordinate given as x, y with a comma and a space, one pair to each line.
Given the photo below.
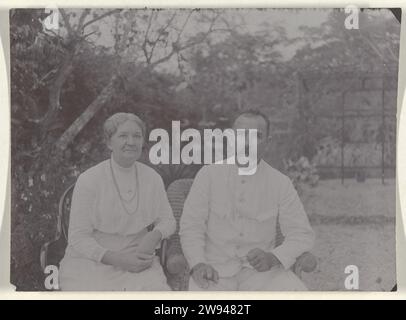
97, 210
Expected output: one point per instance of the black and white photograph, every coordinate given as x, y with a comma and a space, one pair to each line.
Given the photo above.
203, 149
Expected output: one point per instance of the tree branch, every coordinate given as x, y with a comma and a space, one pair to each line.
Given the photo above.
160, 33
82, 19
65, 18
372, 45
149, 26
89, 34
101, 17
203, 36
144, 44
176, 48
394, 57
184, 25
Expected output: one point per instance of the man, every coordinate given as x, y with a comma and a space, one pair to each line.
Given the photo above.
229, 222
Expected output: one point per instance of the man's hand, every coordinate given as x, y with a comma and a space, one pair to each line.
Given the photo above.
203, 273
261, 260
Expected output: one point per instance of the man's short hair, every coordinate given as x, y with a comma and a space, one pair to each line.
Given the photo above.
255, 113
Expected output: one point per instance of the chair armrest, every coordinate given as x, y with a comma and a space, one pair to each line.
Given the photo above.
176, 267
52, 252
307, 262
43, 256
176, 264
163, 252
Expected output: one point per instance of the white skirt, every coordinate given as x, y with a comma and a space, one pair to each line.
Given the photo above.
81, 274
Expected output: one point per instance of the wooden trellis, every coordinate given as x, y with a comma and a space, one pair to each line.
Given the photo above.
350, 82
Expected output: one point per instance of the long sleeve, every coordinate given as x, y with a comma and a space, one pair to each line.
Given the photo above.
80, 224
166, 222
295, 226
193, 225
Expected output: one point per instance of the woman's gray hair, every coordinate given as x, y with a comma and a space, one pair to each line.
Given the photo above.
112, 123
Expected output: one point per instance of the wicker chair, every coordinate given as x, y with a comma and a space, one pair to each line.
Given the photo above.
52, 252
177, 193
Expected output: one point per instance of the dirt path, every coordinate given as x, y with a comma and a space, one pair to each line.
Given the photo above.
354, 225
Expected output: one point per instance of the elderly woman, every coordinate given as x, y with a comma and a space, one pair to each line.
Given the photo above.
110, 246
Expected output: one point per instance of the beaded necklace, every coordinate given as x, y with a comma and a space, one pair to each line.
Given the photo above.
136, 192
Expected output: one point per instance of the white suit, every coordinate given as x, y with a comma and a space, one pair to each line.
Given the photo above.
226, 215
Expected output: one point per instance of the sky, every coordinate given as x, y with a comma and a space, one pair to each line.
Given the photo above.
290, 19
249, 21
253, 20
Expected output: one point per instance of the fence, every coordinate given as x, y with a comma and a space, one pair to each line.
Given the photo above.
343, 97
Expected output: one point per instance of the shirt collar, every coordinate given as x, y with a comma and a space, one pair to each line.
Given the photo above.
253, 171
248, 172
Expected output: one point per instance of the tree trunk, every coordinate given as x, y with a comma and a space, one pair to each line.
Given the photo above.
74, 129
54, 94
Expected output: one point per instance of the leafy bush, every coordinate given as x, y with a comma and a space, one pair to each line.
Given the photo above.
354, 154
301, 172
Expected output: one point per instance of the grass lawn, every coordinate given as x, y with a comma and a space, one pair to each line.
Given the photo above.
354, 225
